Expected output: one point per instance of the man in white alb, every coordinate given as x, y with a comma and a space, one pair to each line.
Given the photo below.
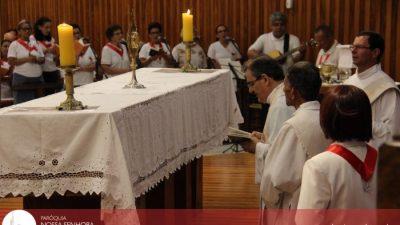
265, 79
299, 139
269, 43
367, 50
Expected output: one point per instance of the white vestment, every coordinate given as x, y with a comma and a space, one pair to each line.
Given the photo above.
278, 113
330, 182
299, 139
385, 102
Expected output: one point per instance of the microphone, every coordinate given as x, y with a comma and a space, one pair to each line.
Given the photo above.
230, 39
162, 39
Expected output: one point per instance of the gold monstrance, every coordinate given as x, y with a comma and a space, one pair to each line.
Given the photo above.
133, 40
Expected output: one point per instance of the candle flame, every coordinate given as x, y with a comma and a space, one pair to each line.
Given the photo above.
188, 12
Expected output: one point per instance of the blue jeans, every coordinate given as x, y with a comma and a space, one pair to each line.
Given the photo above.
24, 95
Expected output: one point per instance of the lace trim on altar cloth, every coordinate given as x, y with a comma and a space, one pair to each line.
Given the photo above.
37, 176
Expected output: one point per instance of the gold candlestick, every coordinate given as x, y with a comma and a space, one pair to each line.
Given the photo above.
133, 40
188, 67
70, 103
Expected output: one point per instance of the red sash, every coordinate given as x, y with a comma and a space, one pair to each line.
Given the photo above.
26, 45
46, 45
118, 50
326, 59
154, 46
366, 168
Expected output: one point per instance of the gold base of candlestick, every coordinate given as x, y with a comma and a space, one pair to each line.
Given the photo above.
188, 67
70, 103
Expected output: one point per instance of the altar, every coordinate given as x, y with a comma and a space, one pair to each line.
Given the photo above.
124, 143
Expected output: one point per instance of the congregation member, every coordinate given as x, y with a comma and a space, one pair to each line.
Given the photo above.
46, 43
26, 57
384, 96
344, 176
86, 59
155, 53
198, 59
115, 56
299, 139
5, 71
224, 48
277, 42
328, 54
265, 79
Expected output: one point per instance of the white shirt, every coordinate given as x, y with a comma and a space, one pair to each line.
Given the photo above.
330, 182
113, 59
145, 54
198, 59
330, 57
49, 64
5, 86
299, 139
268, 42
16, 50
217, 51
83, 77
278, 113
385, 109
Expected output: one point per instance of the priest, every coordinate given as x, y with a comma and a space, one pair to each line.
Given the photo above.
265, 80
367, 50
299, 139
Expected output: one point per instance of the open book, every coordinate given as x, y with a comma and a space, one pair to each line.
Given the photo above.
233, 132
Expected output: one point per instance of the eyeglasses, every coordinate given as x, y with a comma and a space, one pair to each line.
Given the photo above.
253, 82
354, 47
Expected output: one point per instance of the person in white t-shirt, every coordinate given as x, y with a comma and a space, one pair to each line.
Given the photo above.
114, 56
5, 71
26, 58
86, 60
224, 48
155, 53
326, 41
46, 43
198, 59
271, 43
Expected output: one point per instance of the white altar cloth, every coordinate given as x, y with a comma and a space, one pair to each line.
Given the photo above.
124, 144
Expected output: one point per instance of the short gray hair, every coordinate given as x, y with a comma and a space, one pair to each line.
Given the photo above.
277, 16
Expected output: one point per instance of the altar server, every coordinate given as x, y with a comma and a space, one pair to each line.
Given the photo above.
299, 139
344, 175
367, 50
114, 56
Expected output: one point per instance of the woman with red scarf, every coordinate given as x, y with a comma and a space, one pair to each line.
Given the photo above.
26, 58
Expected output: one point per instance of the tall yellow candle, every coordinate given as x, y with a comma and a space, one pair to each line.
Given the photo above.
67, 47
187, 30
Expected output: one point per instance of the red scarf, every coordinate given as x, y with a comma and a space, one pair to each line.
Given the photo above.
366, 168
326, 58
46, 45
154, 45
118, 50
26, 45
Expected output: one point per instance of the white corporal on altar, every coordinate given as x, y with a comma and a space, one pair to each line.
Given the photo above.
124, 144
